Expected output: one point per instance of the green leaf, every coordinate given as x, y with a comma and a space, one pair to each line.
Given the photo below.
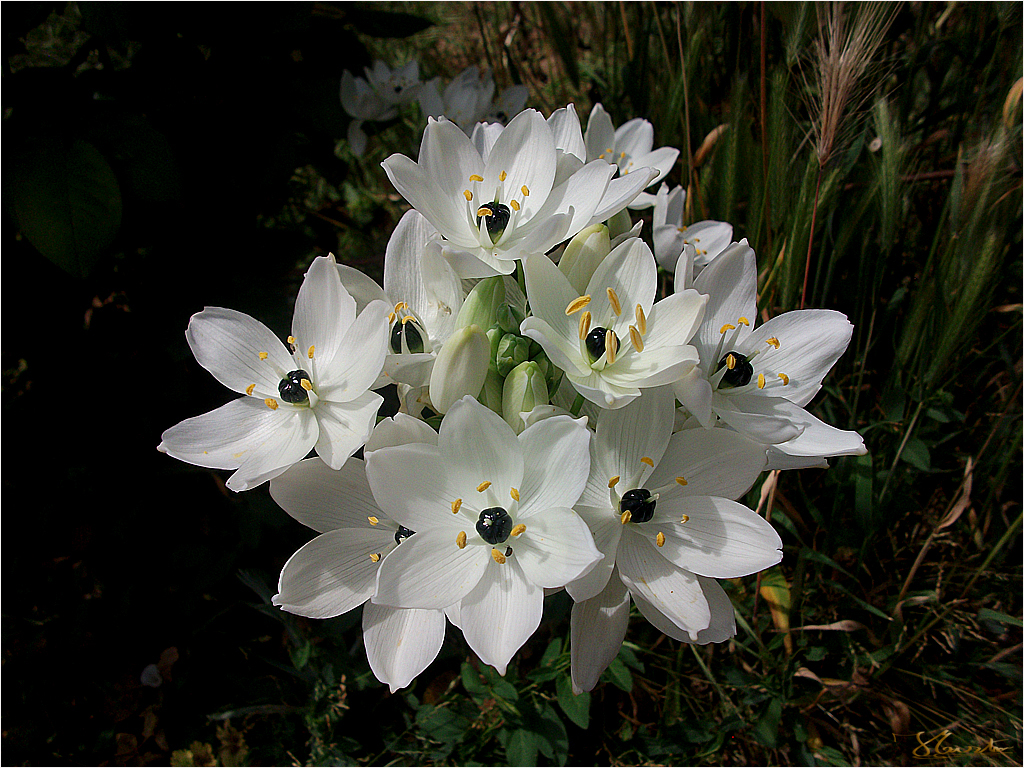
552, 652
619, 675
576, 708
471, 681
66, 201
441, 724
522, 747
300, 655
766, 730
915, 453
987, 614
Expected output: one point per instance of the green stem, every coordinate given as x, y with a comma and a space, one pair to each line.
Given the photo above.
576, 405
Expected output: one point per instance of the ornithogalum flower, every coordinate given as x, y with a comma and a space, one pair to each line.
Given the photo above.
337, 571
757, 380
494, 522
708, 238
377, 96
613, 340
659, 508
469, 99
310, 394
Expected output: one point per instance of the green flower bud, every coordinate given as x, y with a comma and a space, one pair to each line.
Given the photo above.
508, 318
582, 255
619, 224
512, 350
460, 368
524, 389
490, 395
552, 373
482, 303
494, 337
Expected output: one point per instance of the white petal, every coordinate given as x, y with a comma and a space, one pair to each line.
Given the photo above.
556, 463
606, 528
653, 367
668, 246
598, 627
359, 357
567, 133
439, 206
525, 152
550, 293
597, 389
579, 195
629, 270
675, 592
403, 280
709, 239
675, 319
501, 613
344, 427
634, 137
817, 438
326, 499
324, 311
661, 160
714, 462
360, 287
779, 460
538, 235
721, 539
756, 417
621, 191
639, 430
475, 262
290, 443
333, 573
401, 642
227, 344
731, 282
429, 570
478, 446
555, 549
412, 485
399, 430
723, 618
449, 158
694, 392
484, 136
600, 135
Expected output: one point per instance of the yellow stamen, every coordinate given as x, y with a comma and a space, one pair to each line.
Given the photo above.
609, 150
291, 339
514, 493
306, 384
309, 352
469, 196
456, 506
622, 155
513, 205
681, 481
518, 530
760, 381
611, 345
612, 481
730, 361
375, 557
686, 519
727, 327
641, 319
502, 176
249, 389
773, 341
484, 486
647, 460
742, 320
584, 328
601, 156
373, 520
483, 212
271, 403
785, 379
408, 319
525, 191
475, 177
400, 306
660, 540
498, 557
626, 517
634, 336
264, 355
613, 299
460, 540
577, 304
391, 317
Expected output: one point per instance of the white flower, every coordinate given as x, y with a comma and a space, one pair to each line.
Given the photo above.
708, 238
337, 571
469, 99
376, 97
659, 508
426, 296
500, 204
628, 148
513, 532
757, 380
613, 340
312, 395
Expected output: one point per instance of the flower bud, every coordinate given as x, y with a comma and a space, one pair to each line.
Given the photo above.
491, 393
512, 350
552, 373
620, 223
509, 318
582, 255
460, 367
524, 389
482, 303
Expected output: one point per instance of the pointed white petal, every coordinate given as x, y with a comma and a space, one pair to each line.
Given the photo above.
779, 460
817, 438
412, 485
525, 152
674, 320
476, 262
227, 344
501, 613
403, 278
723, 618
694, 392
756, 417
428, 570
598, 627
326, 499
478, 446
579, 195
344, 427
555, 549
550, 293
324, 311
621, 191
292, 439
556, 463
731, 282
360, 287
442, 208
661, 160
600, 135
350, 371
484, 136
399, 430
714, 462
401, 642
449, 158
606, 528
597, 389
709, 238
630, 271
653, 367
567, 133
635, 137
640, 430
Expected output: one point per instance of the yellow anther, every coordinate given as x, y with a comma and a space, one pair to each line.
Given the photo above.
309, 352
484, 486
647, 460
601, 156
502, 176
730, 361
743, 321
641, 320
686, 519
634, 336
483, 212
391, 317
375, 557
373, 520
785, 379
681, 481
612, 481
610, 150
264, 355
306, 384
727, 327
577, 304
584, 328
613, 299
660, 539
408, 319
514, 493
525, 190
498, 557
460, 540
271, 403
773, 341
513, 205
400, 306
611, 345
760, 381
469, 196
291, 339
622, 155
476, 177
456, 506
249, 389
519, 530
626, 517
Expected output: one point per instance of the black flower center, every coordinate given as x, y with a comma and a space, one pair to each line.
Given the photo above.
494, 525
402, 534
413, 337
596, 341
639, 504
291, 389
497, 220
739, 372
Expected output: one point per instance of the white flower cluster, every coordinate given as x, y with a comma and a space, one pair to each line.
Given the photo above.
489, 487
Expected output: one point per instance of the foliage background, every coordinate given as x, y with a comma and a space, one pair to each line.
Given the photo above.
160, 158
